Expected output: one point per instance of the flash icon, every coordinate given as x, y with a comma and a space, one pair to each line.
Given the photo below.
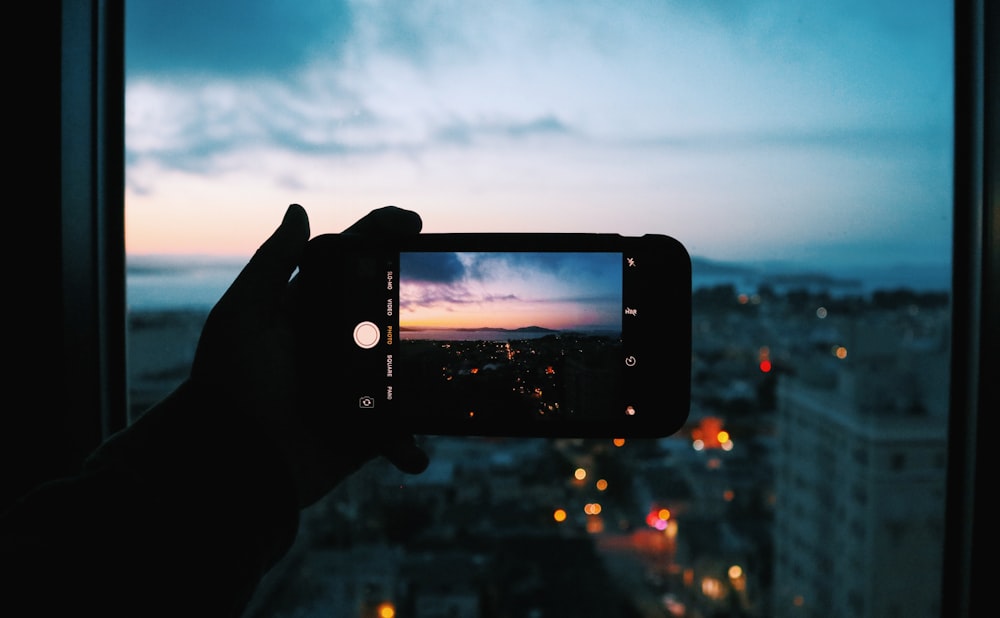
631, 262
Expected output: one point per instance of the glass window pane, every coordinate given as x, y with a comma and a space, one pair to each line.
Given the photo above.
802, 152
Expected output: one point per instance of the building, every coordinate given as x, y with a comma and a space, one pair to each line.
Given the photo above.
860, 475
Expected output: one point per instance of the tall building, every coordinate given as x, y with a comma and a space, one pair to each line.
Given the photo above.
860, 472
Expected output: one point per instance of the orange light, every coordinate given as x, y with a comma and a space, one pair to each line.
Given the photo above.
592, 508
595, 525
707, 433
619, 442
559, 515
580, 474
386, 610
663, 514
722, 436
841, 352
602, 485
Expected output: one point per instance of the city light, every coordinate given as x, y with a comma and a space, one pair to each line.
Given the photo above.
764, 359
595, 525
658, 518
386, 610
821, 313
709, 435
840, 352
736, 578
580, 474
601, 485
559, 515
619, 442
712, 588
673, 606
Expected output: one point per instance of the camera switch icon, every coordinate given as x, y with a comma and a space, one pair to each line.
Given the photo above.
366, 401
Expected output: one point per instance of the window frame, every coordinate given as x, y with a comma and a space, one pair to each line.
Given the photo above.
92, 114
975, 301
65, 268
76, 198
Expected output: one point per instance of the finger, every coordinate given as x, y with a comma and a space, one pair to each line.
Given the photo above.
387, 221
260, 283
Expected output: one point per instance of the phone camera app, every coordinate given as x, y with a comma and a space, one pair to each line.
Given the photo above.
366, 401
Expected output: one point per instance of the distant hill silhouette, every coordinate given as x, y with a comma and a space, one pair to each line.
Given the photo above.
523, 329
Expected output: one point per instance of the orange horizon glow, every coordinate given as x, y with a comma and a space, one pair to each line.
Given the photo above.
559, 316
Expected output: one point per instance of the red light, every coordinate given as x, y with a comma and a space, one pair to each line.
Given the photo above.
765, 366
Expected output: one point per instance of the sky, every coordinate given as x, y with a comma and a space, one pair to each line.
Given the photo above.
510, 290
817, 133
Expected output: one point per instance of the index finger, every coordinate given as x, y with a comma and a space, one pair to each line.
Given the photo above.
387, 221
259, 285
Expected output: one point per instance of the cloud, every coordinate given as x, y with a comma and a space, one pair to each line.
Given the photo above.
433, 267
337, 80
468, 134
565, 268
224, 38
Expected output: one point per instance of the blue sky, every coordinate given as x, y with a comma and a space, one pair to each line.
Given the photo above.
812, 132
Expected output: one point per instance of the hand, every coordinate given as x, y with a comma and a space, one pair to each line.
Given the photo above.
246, 359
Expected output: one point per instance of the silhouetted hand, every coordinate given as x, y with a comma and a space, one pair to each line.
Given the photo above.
247, 359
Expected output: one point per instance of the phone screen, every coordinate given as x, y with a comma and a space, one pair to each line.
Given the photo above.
499, 336
520, 335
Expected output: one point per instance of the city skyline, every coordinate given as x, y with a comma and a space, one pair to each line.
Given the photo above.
816, 134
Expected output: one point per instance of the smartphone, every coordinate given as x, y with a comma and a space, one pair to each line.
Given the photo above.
506, 334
